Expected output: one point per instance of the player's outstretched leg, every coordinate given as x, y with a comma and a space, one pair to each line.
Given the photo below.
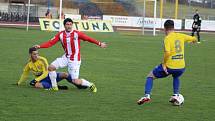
53, 77
84, 83
148, 88
73, 69
92, 86
157, 72
176, 85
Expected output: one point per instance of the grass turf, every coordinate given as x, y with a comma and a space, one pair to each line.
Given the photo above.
119, 72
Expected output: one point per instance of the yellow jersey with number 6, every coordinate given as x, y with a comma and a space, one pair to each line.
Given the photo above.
174, 44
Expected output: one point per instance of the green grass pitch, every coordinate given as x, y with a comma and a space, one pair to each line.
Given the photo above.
119, 73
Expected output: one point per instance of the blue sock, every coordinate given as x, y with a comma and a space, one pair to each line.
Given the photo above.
148, 85
176, 84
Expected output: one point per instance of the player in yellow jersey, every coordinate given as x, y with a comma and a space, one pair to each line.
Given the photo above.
39, 67
173, 62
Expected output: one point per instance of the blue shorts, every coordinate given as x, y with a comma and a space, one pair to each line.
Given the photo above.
160, 73
46, 82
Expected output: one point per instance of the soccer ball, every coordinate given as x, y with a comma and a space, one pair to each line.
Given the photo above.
177, 100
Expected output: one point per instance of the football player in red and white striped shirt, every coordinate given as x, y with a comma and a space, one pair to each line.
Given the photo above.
70, 40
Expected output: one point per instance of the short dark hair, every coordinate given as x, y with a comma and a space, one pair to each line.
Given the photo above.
169, 24
67, 20
30, 50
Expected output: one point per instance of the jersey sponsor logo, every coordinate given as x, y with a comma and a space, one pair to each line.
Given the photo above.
177, 57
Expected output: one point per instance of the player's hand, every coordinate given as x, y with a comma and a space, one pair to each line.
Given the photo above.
103, 45
38, 85
33, 82
195, 26
193, 42
165, 68
37, 46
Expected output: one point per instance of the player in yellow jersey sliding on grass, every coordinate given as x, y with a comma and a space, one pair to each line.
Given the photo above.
39, 67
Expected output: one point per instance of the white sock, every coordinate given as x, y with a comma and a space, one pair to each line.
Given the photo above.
147, 95
175, 94
53, 76
86, 83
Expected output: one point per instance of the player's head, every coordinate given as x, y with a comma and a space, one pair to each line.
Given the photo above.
34, 54
168, 26
68, 24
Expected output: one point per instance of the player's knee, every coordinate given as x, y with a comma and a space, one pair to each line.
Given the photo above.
151, 75
77, 81
51, 68
64, 75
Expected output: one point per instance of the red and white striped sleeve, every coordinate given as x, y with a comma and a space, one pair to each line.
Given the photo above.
84, 37
51, 42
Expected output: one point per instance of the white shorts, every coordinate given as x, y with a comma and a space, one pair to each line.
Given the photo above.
73, 66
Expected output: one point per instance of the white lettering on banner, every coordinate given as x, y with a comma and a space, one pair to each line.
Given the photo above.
129, 21
81, 25
148, 22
